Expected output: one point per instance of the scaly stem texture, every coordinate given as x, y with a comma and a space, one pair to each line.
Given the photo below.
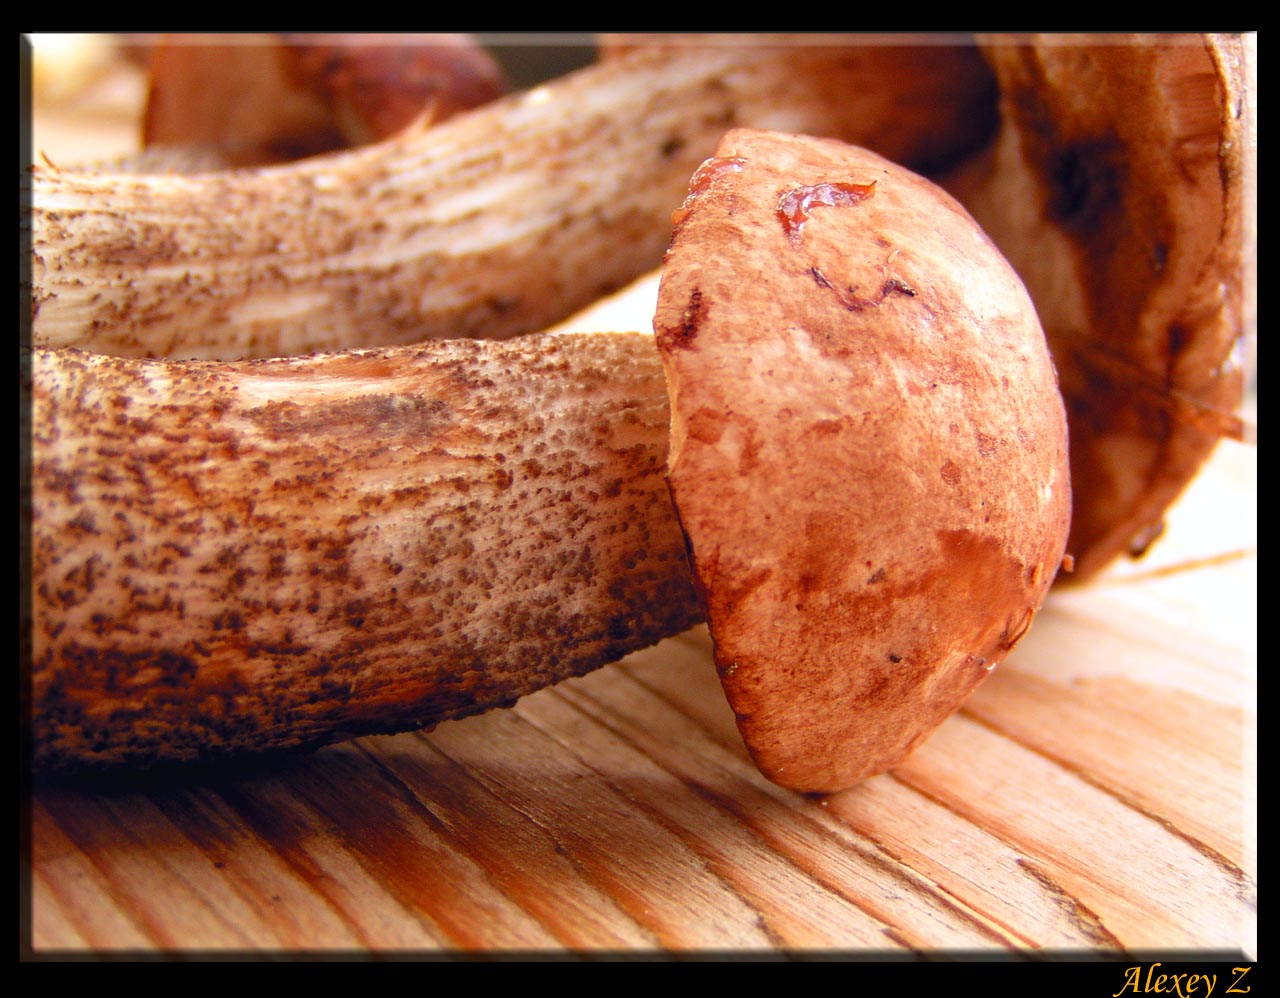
498, 222
230, 558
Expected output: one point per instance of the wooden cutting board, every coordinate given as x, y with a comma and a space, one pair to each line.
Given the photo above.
1097, 796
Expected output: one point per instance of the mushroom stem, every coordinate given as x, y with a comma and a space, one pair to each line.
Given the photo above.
232, 558
500, 221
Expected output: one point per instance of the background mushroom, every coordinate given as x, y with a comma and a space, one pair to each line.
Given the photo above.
498, 222
1118, 189
253, 99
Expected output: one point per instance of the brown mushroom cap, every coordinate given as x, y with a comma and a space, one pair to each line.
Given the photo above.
254, 99
1117, 190
868, 453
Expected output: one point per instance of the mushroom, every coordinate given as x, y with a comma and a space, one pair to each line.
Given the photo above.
1119, 188
254, 99
868, 498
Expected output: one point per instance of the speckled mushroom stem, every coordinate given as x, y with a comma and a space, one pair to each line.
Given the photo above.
498, 222
229, 558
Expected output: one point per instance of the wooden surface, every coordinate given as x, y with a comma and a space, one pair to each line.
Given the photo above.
1096, 796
